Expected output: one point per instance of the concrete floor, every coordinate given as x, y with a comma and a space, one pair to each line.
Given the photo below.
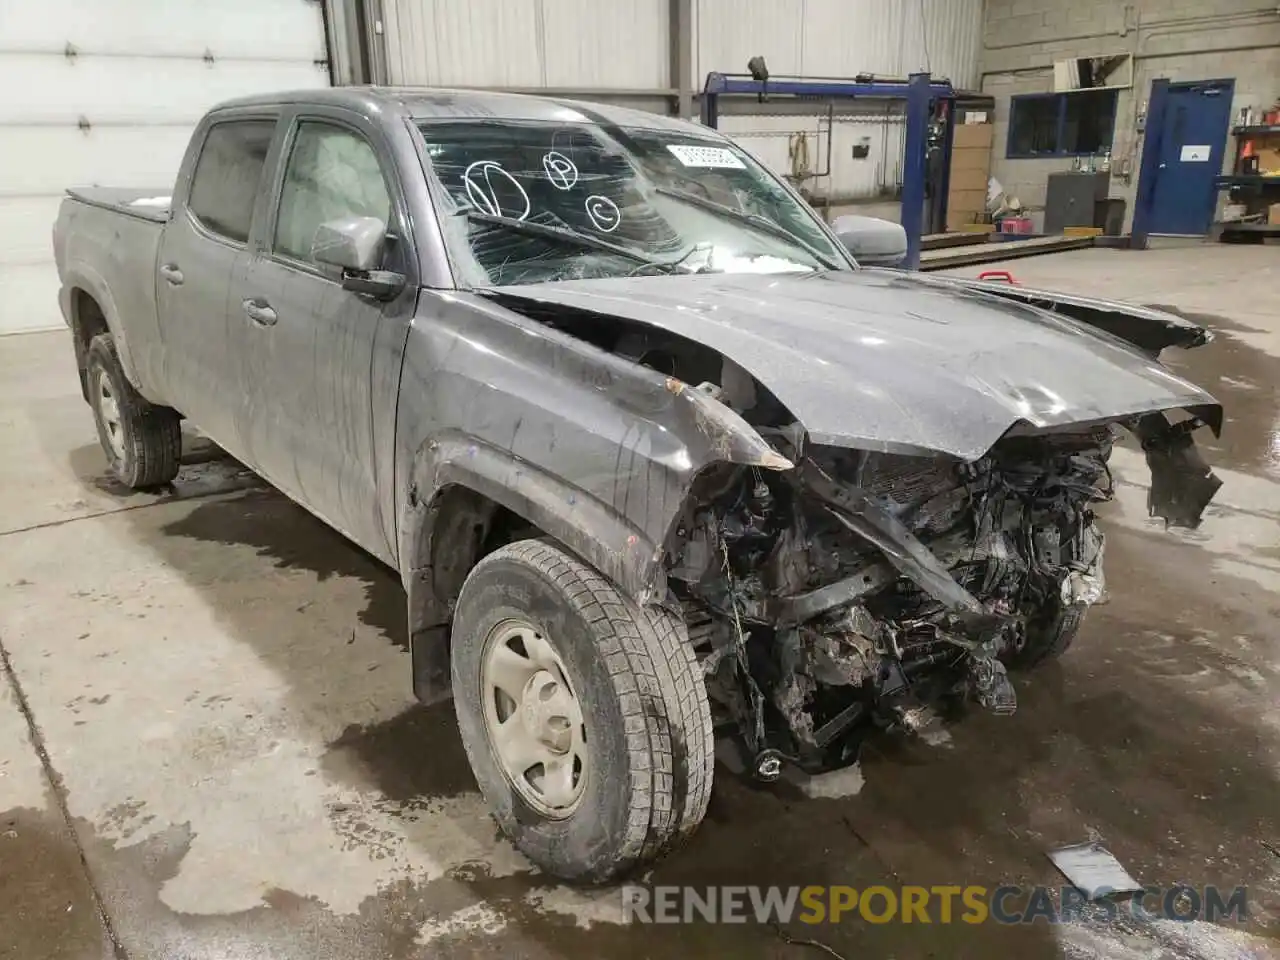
208, 747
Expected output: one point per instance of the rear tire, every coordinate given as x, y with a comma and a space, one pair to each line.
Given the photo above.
644, 748
143, 442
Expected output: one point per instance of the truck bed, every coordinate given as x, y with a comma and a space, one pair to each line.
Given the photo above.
145, 204
105, 243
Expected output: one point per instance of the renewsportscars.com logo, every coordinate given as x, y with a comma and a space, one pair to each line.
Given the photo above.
1009, 904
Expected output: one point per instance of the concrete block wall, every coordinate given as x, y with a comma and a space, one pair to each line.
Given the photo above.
1177, 39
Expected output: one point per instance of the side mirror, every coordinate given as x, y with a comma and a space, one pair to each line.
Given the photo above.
355, 244
873, 242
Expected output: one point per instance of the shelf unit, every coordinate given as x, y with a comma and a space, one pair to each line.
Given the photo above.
1257, 130
1247, 180
1254, 190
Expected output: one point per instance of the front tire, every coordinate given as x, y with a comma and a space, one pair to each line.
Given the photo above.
143, 442
1049, 636
585, 719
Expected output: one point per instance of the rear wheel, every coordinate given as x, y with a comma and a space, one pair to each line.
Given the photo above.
585, 719
143, 442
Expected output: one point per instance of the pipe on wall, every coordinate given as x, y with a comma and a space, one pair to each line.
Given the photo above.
1221, 20
1243, 48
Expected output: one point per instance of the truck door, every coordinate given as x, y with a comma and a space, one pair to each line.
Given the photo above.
309, 344
199, 251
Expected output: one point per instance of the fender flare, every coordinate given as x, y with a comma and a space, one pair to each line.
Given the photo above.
79, 275
464, 480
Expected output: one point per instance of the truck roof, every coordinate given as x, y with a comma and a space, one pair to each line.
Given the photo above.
434, 103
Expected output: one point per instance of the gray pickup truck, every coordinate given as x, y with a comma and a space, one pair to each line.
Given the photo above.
645, 443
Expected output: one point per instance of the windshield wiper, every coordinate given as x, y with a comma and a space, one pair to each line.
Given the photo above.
763, 224
562, 235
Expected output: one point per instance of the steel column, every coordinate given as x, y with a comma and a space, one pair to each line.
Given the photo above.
947, 109
913, 165
681, 32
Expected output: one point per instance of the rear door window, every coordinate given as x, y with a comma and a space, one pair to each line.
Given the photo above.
228, 175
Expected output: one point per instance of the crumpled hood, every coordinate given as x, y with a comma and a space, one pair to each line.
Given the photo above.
878, 360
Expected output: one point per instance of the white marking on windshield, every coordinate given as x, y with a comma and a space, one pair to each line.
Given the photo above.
604, 213
483, 192
561, 171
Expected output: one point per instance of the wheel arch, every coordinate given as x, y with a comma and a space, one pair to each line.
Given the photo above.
466, 500
91, 310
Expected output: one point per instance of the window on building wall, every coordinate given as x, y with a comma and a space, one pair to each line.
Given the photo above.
1061, 124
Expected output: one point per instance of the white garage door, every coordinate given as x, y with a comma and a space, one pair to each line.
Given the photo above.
106, 92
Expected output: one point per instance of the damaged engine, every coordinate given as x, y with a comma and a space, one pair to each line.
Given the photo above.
862, 589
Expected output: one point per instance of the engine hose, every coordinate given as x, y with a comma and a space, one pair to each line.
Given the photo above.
924, 663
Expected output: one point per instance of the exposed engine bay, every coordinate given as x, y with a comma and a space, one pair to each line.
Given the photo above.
862, 590
864, 586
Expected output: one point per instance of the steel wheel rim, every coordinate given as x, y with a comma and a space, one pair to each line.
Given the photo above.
533, 719
109, 412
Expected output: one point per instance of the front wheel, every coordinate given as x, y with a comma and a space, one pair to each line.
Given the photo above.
143, 442
585, 719
1049, 635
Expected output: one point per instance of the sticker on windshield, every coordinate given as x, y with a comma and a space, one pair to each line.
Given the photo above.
713, 157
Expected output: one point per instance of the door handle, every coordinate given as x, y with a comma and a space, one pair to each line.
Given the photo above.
172, 274
260, 312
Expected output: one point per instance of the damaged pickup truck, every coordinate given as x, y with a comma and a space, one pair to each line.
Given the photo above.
645, 443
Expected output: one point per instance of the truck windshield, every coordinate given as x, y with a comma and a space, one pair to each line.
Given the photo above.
526, 202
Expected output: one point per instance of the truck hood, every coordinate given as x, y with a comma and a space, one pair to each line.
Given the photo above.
879, 360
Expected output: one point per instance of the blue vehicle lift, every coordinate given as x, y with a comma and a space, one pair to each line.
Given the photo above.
926, 100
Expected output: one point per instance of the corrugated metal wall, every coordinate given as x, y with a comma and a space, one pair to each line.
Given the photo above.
588, 44
625, 45
837, 38
840, 38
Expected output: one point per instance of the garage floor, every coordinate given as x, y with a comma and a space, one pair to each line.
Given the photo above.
208, 746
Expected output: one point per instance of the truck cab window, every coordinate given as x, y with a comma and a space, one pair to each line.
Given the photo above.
332, 173
228, 174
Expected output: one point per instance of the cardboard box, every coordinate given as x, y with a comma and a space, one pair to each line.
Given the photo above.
974, 135
964, 207
1273, 214
974, 179
959, 221
970, 158
1268, 159
975, 199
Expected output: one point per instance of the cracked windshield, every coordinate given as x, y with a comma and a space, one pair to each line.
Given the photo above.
535, 201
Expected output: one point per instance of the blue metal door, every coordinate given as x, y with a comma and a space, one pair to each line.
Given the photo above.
1193, 138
